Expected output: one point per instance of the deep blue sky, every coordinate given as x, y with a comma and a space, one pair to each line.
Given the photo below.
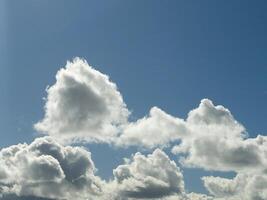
170, 54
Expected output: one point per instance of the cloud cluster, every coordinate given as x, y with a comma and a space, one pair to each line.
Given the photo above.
45, 169
210, 138
84, 105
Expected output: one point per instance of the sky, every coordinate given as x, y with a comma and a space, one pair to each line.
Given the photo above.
167, 55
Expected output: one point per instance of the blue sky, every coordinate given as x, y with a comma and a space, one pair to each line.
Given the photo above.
169, 54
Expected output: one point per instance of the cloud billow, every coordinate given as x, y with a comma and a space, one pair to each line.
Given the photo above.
84, 105
49, 170
152, 176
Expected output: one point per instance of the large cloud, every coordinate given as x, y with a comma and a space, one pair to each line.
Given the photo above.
47, 169
83, 104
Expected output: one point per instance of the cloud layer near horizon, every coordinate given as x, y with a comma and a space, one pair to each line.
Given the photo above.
84, 105
46, 169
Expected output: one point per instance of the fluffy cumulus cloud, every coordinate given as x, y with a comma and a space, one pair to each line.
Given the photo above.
218, 142
245, 186
151, 176
49, 170
156, 130
83, 104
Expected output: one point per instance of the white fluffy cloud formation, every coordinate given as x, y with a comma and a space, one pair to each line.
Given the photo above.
208, 138
218, 142
156, 130
46, 170
83, 104
151, 176
49, 170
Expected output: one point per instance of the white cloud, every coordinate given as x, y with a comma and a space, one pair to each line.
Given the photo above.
83, 104
245, 186
156, 130
218, 142
47, 169
152, 176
